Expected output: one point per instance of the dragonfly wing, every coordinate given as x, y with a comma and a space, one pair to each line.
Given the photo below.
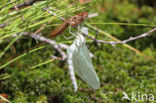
84, 67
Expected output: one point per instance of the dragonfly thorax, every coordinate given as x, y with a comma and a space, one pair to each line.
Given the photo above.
78, 42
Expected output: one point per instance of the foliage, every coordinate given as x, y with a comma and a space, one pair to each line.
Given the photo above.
119, 69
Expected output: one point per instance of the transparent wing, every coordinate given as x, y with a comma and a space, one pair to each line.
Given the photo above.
84, 68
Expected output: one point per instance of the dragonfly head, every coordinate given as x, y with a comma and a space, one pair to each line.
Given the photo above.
84, 30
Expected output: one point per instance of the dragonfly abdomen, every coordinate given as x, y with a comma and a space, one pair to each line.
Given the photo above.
71, 71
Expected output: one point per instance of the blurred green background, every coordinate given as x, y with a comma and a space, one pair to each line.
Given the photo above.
119, 69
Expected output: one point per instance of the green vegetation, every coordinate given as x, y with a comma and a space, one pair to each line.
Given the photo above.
119, 69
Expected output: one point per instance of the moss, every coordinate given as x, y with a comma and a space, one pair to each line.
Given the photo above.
119, 69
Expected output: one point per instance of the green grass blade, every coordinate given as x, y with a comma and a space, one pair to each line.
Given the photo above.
31, 51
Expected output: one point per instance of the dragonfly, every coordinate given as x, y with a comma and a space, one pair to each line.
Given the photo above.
73, 21
79, 60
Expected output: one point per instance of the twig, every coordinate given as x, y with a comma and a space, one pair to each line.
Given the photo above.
126, 45
25, 3
40, 29
124, 41
51, 42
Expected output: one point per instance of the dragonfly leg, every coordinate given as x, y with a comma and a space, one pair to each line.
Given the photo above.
73, 34
70, 31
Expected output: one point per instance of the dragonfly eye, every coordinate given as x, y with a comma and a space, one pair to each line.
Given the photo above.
84, 30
